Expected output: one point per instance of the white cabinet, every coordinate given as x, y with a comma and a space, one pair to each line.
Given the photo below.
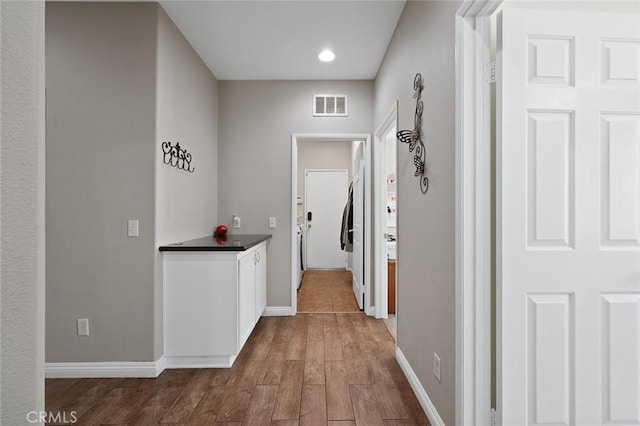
261, 280
247, 291
252, 284
212, 300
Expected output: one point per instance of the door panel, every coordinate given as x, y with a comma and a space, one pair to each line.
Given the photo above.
325, 198
568, 191
620, 165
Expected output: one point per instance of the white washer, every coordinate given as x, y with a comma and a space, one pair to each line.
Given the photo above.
391, 250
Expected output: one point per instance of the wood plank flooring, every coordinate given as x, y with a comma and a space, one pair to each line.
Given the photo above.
327, 291
312, 369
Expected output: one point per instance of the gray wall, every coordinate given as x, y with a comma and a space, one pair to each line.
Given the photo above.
100, 70
21, 210
313, 154
186, 112
121, 79
256, 120
424, 41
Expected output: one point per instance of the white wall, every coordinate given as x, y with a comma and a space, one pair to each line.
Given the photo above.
21, 210
321, 155
186, 204
424, 41
257, 119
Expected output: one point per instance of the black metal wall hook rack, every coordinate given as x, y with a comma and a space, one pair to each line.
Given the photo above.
414, 137
177, 157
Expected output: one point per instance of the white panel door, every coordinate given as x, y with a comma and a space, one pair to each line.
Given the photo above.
568, 218
325, 198
358, 228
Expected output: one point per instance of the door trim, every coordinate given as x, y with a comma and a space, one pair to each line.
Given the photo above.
473, 214
379, 195
369, 310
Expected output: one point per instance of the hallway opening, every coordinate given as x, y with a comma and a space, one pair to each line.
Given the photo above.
330, 260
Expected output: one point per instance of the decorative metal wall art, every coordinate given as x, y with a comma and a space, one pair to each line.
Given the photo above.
177, 157
414, 137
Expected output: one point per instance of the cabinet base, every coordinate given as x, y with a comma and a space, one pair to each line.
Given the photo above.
218, 361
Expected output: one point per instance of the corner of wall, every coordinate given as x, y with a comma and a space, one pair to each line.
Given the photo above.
22, 203
186, 111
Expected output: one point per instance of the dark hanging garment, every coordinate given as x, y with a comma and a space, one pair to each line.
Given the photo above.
346, 232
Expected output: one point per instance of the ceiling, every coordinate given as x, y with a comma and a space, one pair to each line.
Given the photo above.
281, 40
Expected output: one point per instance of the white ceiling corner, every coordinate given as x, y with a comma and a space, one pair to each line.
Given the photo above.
281, 40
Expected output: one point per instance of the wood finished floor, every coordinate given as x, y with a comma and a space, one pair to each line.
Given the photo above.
327, 291
312, 369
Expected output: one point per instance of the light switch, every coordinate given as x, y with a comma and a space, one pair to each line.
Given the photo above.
132, 228
83, 326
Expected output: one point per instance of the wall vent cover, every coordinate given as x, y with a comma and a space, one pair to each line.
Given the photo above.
329, 105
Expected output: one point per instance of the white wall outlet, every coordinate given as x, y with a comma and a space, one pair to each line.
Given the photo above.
132, 228
83, 326
236, 221
436, 366
272, 222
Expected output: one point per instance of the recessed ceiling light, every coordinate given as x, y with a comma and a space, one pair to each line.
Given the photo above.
326, 56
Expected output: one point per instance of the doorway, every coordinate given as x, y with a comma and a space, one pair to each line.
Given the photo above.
328, 275
385, 220
391, 226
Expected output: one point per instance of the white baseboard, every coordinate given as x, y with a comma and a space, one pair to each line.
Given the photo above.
278, 311
418, 389
370, 310
80, 370
221, 361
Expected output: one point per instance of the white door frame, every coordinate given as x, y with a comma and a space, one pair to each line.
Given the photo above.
379, 197
369, 310
473, 213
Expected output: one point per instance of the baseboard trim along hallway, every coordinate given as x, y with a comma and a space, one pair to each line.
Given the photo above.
421, 393
81, 370
278, 311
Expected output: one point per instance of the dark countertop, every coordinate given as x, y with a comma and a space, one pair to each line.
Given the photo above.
237, 242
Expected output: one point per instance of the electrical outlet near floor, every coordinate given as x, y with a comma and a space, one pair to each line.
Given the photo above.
83, 326
436, 366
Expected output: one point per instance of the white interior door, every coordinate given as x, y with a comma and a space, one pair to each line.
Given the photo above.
568, 218
325, 198
358, 227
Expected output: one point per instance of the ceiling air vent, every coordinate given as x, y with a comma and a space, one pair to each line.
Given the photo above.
329, 105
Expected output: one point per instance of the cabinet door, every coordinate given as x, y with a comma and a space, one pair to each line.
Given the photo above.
200, 304
246, 296
261, 280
